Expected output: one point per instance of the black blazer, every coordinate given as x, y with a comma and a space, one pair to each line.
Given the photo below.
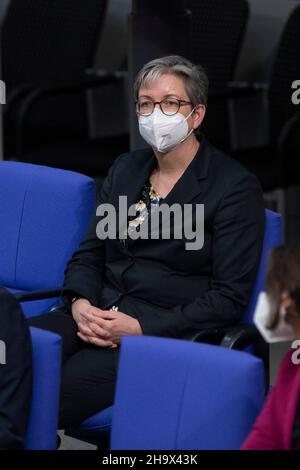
170, 290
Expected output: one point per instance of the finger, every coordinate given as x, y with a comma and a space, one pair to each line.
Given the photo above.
84, 338
109, 314
115, 339
87, 316
84, 329
105, 324
105, 314
95, 341
100, 342
98, 331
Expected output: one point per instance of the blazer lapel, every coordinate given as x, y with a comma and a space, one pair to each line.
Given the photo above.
189, 185
135, 175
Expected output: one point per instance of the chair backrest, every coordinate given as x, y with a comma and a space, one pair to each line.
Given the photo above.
174, 394
49, 39
273, 237
218, 28
43, 419
44, 213
286, 69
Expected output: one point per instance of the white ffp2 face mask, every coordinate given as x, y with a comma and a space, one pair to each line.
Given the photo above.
282, 332
164, 132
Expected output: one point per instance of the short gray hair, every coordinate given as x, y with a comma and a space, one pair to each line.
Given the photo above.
195, 78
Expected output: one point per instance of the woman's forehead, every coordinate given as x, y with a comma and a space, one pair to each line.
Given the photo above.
166, 84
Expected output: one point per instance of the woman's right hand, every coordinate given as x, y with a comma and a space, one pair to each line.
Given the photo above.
86, 334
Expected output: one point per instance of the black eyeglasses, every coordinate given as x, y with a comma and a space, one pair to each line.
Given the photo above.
169, 106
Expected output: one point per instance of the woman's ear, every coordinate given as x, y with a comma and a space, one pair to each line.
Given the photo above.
198, 115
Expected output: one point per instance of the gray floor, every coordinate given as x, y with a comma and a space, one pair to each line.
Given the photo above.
68, 443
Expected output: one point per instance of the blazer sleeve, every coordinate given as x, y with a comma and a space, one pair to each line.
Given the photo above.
84, 272
238, 230
272, 429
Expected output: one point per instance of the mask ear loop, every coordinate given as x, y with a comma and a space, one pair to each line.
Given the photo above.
189, 115
192, 130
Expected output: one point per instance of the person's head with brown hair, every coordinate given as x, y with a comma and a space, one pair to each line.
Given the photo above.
283, 286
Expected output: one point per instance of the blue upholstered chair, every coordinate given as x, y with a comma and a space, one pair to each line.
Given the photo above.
187, 396
43, 420
44, 213
242, 336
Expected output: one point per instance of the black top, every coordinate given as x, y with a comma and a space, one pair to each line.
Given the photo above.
149, 200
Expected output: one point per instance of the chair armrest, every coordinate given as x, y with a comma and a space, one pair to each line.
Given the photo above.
208, 335
38, 295
34, 96
240, 337
90, 79
235, 90
232, 337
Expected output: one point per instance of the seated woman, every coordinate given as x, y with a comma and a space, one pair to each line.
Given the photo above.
162, 283
15, 373
278, 319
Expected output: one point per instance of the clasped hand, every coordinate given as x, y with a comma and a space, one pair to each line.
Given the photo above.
103, 327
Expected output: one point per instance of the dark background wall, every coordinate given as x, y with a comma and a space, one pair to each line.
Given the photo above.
267, 18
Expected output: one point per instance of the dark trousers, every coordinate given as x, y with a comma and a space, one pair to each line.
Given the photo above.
15, 372
88, 372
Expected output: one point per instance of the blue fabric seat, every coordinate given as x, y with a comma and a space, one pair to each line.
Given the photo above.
44, 213
43, 419
93, 430
187, 396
